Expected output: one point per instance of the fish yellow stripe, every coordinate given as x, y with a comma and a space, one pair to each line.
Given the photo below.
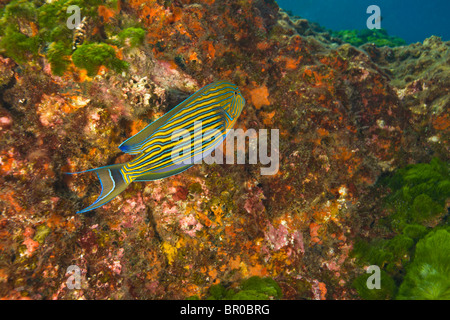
136, 164
159, 136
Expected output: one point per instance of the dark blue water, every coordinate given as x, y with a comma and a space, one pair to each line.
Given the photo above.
412, 20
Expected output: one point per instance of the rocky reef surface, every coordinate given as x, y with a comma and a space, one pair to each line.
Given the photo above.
347, 115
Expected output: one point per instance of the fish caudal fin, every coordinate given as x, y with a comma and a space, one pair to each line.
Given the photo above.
112, 185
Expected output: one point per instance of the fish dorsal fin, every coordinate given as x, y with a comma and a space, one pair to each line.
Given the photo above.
133, 144
136, 143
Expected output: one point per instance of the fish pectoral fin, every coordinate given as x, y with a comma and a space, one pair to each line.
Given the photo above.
164, 173
112, 185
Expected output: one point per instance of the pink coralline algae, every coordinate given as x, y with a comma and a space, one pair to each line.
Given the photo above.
284, 237
254, 204
278, 238
190, 225
134, 211
5, 122
31, 246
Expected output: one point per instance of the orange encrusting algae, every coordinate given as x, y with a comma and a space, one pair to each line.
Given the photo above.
260, 96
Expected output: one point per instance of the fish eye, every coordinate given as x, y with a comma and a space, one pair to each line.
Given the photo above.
235, 93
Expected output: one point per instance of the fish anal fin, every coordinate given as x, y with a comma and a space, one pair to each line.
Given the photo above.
164, 173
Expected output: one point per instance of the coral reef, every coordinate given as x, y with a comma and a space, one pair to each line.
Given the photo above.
346, 116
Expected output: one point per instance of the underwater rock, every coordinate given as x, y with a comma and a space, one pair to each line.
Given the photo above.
420, 75
306, 28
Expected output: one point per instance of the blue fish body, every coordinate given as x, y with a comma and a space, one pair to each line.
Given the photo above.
174, 142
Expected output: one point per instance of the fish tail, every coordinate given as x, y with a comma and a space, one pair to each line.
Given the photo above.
112, 183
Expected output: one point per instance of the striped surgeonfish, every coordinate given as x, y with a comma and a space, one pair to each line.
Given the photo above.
174, 142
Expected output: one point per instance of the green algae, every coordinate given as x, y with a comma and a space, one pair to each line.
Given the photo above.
16, 36
428, 276
92, 56
417, 207
134, 36
32, 28
58, 56
264, 287
219, 292
253, 288
387, 287
19, 9
415, 231
374, 253
17, 45
379, 37
419, 193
